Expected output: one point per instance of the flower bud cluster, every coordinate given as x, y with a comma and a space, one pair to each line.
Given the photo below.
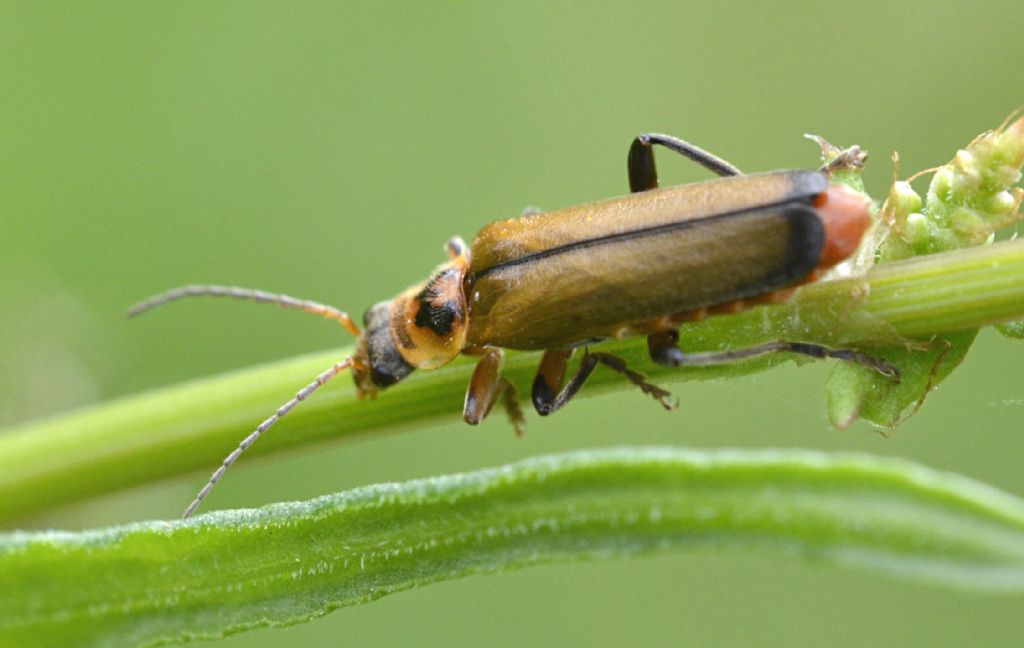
968, 199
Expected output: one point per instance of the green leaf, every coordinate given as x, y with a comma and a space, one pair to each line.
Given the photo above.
287, 563
855, 392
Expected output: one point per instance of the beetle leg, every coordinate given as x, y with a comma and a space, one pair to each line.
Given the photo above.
486, 387
642, 173
552, 371
550, 374
456, 247
512, 409
638, 379
663, 350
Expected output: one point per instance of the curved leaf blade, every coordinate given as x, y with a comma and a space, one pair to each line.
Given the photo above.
229, 571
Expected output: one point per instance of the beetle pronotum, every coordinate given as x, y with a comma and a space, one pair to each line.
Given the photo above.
640, 264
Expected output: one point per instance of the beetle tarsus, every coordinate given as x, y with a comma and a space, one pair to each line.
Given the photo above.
664, 351
512, 409
869, 361
638, 379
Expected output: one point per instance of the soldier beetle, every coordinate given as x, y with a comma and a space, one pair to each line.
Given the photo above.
640, 264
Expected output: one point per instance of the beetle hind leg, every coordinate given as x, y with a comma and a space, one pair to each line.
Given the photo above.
663, 349
486, 387
548, 398
643, 174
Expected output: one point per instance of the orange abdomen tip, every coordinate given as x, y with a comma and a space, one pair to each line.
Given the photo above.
846, 215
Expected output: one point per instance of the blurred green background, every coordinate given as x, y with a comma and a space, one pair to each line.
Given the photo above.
328, 150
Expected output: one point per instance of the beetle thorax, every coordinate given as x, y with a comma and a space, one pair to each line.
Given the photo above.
428, 322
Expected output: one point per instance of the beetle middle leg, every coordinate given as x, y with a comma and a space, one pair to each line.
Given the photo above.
663, 349
546, 395
642, 173
486, 387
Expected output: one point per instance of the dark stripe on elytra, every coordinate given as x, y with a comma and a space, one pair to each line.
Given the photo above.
781, 207
798, 262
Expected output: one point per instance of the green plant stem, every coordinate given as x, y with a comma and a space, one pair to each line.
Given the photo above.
192, 426
231, 570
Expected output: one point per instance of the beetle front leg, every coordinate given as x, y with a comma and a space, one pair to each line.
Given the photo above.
486, 387
551, 372
642, 173
663, 349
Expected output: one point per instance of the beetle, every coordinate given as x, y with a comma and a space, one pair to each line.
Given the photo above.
640, 264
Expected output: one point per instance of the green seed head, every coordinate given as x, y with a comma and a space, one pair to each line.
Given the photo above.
968, 200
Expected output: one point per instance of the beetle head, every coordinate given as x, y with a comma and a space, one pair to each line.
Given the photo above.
423, 328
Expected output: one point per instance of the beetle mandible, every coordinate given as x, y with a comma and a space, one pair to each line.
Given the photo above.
640, 264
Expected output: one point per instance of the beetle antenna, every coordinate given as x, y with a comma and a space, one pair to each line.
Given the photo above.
302, 395
258, 296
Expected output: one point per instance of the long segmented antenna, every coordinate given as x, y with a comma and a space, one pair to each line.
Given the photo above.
258, 296
302, 395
